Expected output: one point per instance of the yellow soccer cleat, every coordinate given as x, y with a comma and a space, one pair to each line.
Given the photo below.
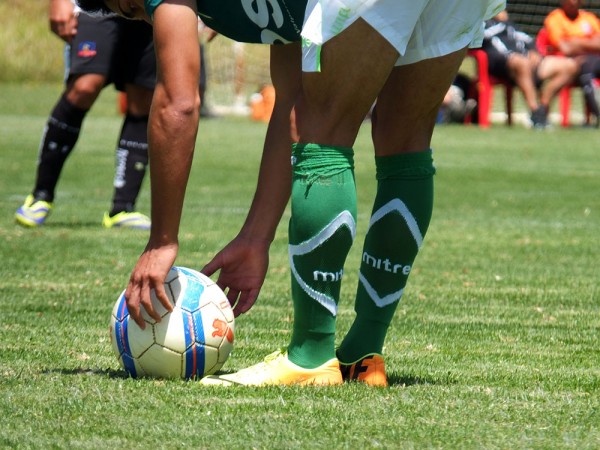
126, 220
33, 212
369, 370
278, 370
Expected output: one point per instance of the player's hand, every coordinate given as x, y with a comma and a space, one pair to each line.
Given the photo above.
63, 21
243, 266
149, 274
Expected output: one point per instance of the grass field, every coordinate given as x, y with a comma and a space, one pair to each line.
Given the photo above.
495, 344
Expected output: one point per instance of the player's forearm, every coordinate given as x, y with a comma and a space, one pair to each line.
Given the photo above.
171, 139
274, 182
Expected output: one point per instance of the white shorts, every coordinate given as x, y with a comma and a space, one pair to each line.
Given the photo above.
418, 29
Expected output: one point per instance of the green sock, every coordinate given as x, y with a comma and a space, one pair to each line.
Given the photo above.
321, 231
399, 221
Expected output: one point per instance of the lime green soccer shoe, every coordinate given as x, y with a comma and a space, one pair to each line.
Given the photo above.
33, 213
126, 220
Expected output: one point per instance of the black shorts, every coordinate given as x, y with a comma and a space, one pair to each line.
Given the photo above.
498, 64
121, 49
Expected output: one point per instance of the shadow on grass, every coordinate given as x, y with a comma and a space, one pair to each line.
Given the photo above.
110, 373
86, 224
396, 379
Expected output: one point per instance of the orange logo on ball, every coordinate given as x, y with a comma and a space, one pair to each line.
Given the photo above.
221, 329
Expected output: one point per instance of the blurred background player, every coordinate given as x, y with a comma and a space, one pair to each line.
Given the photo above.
95, 61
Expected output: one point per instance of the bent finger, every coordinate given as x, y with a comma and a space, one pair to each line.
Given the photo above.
161, 295
146, 302
232, 296
211, 267
245, 302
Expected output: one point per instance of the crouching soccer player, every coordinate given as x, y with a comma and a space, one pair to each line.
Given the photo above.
403, 54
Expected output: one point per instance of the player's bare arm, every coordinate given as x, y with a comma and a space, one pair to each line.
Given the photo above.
243, 262
173, 126
63, 22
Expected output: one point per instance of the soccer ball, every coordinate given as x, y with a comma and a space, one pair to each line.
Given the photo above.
192, 341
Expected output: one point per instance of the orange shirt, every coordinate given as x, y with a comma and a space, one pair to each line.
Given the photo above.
560, 27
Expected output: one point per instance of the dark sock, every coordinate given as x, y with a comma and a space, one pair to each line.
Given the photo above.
131, 163
587, 84
59, 138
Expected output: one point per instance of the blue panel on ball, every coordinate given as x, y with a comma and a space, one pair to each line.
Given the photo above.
200, 359
129, 364
122, 310
192, 294
122, 338
190, 354
199, 328
185, 271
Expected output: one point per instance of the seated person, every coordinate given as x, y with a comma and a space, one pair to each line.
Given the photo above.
575, 33
512, 56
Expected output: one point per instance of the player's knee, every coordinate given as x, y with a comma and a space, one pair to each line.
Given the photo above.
83, 91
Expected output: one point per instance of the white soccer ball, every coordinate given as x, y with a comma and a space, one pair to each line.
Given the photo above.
192, 341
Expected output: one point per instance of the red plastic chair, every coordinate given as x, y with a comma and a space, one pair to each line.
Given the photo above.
485, 90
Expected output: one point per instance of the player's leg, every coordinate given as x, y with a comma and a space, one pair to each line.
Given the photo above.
84, 83
323, 201
323, 196
277, 368
134, 71
403, 205
356, 66
62, 130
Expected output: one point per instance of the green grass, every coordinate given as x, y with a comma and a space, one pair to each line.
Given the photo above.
28, 50
495, 344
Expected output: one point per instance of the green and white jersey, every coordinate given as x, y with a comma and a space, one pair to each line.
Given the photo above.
254, 21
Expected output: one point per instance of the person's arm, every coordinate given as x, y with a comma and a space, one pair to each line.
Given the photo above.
579, 46
244, 261
62, 18
172, 129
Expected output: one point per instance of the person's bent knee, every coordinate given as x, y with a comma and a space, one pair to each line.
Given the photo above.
83, 90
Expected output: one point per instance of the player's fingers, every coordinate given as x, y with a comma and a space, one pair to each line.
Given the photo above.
211, 267
146, 302
161, 295
132, 297
245, 302
241, 308
133, 306
232, 296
